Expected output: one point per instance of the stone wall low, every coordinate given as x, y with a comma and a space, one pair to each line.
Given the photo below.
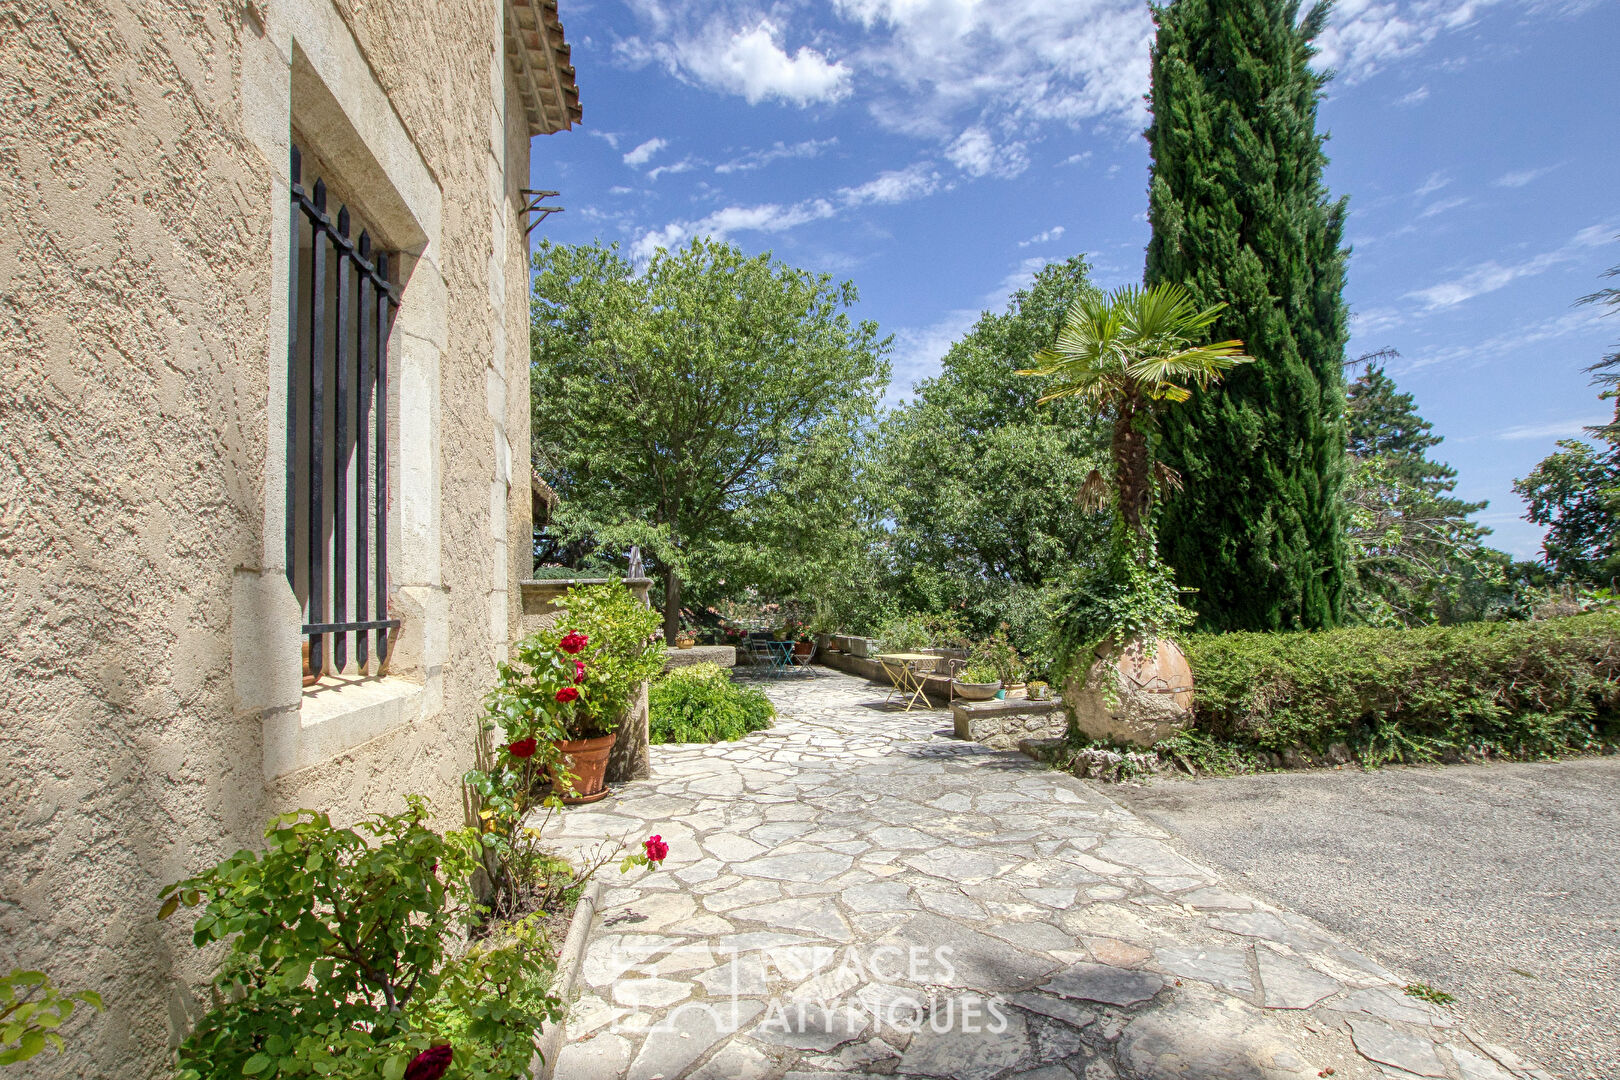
723, 655
1002, 725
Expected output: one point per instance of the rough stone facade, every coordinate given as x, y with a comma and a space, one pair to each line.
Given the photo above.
152, 716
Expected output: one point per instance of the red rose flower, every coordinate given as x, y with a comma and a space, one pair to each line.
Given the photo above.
523, 748
656, 848
579, 671
430, 1064
567, 694
573, 643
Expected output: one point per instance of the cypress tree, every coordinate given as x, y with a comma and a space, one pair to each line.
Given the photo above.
1240, 215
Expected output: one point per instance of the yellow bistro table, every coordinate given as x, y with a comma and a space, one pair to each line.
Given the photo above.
906, 673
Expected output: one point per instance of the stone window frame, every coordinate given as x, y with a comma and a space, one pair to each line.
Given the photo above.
302, 69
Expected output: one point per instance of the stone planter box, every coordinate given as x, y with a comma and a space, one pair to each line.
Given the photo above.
1002, 725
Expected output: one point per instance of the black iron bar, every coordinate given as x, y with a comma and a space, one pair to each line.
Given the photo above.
362, 458
340, 440
385, 298
336, 627
317, 425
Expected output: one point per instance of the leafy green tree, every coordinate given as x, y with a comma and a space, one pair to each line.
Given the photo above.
1575, 493
708, 408
1240, 215
981, 486
1415, 557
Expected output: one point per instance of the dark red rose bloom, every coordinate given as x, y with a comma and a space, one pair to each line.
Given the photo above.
523, 748
430, 1064
579, 671
567, 694
656, 848
574, 642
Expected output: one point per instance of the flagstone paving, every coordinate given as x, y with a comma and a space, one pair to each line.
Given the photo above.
856, 892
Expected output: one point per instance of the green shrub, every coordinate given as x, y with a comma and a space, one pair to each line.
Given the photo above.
1510, 689
700, 703
341, 959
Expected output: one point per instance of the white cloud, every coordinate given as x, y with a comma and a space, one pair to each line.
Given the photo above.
1045, 236
894, 186
975, 152
758, 159
749, 61
1442, 206
1421, 94
609, 137
1077, 159
1434, 183
619, 189
1491, 276
1572, 428
644, 153
1020, 60
684, 165
1522, 177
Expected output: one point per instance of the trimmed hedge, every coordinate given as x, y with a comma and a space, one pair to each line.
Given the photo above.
700, 703
1510, 689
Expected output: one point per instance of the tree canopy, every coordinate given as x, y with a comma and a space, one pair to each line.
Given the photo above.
982, 486
708, 407
1240, 215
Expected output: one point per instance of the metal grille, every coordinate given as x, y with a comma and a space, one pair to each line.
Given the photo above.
341, 310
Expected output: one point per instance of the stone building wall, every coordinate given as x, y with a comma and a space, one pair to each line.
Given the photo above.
151, 717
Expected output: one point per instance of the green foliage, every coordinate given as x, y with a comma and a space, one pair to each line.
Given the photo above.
700, 703
914, 631
1203, 753
710, 408
622, 653
1575, 493
1131, 595
1002, 657
1240, 216
981, 672
32, 1012
980, 485
1428, 993
1509, 688
340, 962
1415, 558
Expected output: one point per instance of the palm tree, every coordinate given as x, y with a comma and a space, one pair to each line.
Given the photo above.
1126, 353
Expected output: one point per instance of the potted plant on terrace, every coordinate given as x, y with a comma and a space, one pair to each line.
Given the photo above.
976, 681
566, 689
687, 637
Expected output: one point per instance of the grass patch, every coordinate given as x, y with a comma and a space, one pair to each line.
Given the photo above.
700, 703
1428, 993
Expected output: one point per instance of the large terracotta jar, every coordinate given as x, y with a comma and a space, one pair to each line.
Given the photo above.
587, 760
1133, 695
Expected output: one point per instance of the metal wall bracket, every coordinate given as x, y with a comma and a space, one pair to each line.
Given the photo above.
531, 206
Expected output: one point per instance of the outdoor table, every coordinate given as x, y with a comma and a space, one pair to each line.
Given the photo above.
781, 655
903, 671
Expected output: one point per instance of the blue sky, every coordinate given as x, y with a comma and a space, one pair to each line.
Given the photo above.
936, 152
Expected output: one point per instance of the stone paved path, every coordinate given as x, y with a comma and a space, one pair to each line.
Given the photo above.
855, 892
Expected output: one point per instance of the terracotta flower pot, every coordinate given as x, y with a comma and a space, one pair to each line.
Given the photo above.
804, 648
685, 642
587, 760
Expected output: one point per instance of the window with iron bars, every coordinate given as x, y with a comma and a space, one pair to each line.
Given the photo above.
341, 308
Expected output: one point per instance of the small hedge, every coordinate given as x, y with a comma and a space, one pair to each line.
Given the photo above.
1485, 689
700, 703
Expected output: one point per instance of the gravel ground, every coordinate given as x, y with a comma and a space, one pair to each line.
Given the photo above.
1499, 884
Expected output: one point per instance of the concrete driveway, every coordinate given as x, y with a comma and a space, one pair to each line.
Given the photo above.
1499, 884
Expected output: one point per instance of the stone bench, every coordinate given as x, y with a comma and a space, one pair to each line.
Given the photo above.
1001, 725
